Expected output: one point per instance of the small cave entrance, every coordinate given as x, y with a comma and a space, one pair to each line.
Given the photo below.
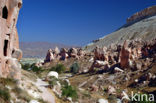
5, 47
5, 13
19, 5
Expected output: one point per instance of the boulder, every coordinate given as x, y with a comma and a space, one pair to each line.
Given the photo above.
103, 101
53, 74
17, 53
34, 101
94, 88
111, 90
14, 68
116, 69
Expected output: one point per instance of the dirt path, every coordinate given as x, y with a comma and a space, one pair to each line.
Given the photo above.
46, 94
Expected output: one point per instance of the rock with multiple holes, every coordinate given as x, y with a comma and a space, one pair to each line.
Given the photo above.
9, 38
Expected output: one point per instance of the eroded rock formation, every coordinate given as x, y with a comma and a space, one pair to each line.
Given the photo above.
10, 53
64, 54
142, 14
134, 54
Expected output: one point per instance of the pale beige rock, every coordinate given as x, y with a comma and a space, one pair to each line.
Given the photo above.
111, 90
63, 53
9, 36
50, 56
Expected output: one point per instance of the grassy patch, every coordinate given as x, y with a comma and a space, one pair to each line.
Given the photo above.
5, 95
59, 68
69, 91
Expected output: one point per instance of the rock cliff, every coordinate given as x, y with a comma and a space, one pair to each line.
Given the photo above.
9, 51
150, 11
144, 29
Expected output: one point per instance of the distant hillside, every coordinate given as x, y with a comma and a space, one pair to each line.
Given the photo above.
38, 49
140, 25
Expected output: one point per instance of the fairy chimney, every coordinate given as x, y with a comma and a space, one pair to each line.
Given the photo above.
9, 51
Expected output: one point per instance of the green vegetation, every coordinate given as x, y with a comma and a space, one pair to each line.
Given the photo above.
69, 91
59, 68
7, 81
42, 101
5, 95
22, 94
32, 67
74, 68
52, 81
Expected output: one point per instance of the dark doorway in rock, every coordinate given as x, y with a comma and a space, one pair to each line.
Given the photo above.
5, 13
5, 47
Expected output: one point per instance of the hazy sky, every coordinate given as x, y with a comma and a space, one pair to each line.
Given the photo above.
74, 22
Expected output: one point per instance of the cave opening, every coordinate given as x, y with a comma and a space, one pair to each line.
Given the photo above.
5, 47
5, 13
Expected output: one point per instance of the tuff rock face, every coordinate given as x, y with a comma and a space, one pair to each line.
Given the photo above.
9, 51
125, 56
50, 56
143, 14
64, 54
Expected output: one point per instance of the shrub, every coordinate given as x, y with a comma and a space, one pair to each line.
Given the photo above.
7, 81
42, 101
33, 68
4, 94
69, 91
52, 81
36, 69
59, 68
26, 66
74, 68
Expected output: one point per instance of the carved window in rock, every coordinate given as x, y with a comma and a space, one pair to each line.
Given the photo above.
5, 13
19, 5
5, 48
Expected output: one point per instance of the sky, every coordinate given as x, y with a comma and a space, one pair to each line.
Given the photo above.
74, 22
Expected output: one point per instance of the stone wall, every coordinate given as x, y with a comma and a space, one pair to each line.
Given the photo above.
9, 45
150, 11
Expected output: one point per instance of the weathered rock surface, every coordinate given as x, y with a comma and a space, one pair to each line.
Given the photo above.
144, 29
9, 38
50, 56
150, 11
64, 54
128, 55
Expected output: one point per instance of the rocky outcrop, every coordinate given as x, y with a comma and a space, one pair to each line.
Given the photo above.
64, 54
10, 52
135, 28
142, 14
124, 56
134, 54
50, 56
